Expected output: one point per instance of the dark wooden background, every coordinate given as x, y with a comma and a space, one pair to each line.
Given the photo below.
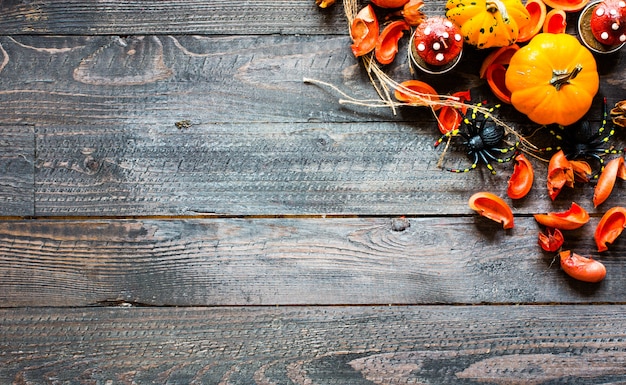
279, 238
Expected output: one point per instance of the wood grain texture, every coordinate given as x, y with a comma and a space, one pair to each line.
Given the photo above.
293, 261
271, 169
17, 176
260, 141
205, 79
202, 17
216, 17
98, 80
323, 345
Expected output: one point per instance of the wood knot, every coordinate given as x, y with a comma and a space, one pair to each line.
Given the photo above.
400, 224
91, 164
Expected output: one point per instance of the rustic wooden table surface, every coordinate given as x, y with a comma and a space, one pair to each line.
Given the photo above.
177, 206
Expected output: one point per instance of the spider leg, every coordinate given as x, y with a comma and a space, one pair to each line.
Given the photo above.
558, 137
486, 161
470, 168
446, 135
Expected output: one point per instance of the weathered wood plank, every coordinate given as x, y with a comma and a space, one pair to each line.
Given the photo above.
179, 16
269, 169
339, 345
154, 79
293, 261
76, 17
17, 180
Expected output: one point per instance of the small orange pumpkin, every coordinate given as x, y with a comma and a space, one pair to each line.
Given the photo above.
553, 79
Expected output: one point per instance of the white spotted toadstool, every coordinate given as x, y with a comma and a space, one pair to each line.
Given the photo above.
602, 25
608, 22
437, 45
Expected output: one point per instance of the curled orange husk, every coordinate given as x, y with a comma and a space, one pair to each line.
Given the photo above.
495, 75
500, 56
551, 240
571, 219
521, 180
412, 13
560, 174
416, 93
537, 11
493, 207
555, 21
449, 117
364, 31
610, 227
387, 42
606, 181
390, 3
582, 268
582, 170
567, 5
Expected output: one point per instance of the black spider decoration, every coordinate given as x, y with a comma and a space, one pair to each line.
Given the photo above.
580, 141
481, 135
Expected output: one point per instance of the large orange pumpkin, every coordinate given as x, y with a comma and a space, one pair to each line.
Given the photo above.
553, 79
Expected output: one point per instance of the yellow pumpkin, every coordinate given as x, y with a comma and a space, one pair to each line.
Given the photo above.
553, 79
488, 23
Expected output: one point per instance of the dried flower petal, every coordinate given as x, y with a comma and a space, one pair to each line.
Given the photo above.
364, 31
493, 207
416, 93
521, 180
610, 227
555, 21
606, 181
551, 240
537, 11
560, 174
449, 117
582, 268
571, 219
387, 42
582, 170
412, 12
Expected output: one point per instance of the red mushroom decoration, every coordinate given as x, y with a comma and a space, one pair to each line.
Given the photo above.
602, 25
608, 22
437, 42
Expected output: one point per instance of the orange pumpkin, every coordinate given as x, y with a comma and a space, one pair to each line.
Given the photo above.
553, 79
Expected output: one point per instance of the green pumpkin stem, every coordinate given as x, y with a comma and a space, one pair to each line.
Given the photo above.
562, 77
